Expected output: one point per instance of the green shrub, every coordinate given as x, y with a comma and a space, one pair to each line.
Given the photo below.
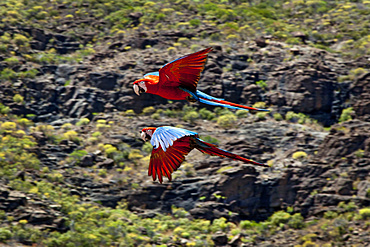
296, 221
12, 61
101, 121
225, 168
262, 84
279, 217
72, 136
147, 147
191, 116
4, 109
246, 224
8, 74
55, 177
261, 105
20, 39
25, 122
349, 207
8, 125
359, 153
299, 117
135, 154
195, 22
148, 110
365, 213
242, 113
299, 155
261, 115
330, 215
278, 116
219, 225
110, 150
18, 98
83, 121
130, 113
77, 155
354, 73
96, 134
227, 121
206, 114
5, 234
155, 116
346, 114
222, 111
28, 74
102, 172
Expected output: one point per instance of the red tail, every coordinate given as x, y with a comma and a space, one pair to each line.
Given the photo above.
211, 149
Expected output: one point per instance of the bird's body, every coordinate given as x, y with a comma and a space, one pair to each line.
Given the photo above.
178, 80
171, 145
163, 90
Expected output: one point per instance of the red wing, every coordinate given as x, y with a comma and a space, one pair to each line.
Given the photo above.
164, 163
184, 71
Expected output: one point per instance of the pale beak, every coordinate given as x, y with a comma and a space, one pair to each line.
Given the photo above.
143, 136
137, 90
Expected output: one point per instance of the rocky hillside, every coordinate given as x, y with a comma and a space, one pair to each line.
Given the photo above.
73, 170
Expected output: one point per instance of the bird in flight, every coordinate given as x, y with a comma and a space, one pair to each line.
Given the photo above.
171, 145
178, 80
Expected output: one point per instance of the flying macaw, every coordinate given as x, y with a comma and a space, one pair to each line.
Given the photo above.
178, 80
170, 145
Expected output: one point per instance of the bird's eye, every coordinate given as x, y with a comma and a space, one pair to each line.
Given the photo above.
142, 82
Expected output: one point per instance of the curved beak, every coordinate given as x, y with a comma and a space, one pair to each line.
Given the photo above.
143, 136
137, 90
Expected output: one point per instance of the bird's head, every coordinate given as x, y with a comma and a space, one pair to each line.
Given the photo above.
147, 133
140, 86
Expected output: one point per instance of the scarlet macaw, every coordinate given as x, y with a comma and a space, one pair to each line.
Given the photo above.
170, 145
178, 80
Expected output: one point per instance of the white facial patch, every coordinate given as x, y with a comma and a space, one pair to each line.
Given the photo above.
142, 134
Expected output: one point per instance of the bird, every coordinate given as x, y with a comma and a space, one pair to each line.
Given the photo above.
177, 80
171, 145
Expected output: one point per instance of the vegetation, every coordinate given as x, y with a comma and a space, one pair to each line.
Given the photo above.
299, 155
300, 118
346, 114
91, 224
32, 37
344, 22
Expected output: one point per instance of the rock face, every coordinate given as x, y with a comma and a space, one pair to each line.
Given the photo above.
321, 180
302, 80
21, 207
360, 96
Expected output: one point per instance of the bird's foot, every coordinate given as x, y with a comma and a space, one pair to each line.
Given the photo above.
191, 99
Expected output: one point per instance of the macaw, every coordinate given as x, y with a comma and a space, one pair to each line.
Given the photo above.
170, 145
178, 80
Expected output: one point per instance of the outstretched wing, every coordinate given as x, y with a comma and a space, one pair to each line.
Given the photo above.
165, 136
163, 163
184, 71
170, 144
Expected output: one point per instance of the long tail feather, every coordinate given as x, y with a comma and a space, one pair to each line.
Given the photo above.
211, 149
207, 99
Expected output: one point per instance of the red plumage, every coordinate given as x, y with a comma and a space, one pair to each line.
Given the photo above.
185, 71
178, 80
164, 163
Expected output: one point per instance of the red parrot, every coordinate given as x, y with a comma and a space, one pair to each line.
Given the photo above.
178, 80
170, 145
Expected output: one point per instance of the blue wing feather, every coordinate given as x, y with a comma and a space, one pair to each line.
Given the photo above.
166, 135
152, 73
